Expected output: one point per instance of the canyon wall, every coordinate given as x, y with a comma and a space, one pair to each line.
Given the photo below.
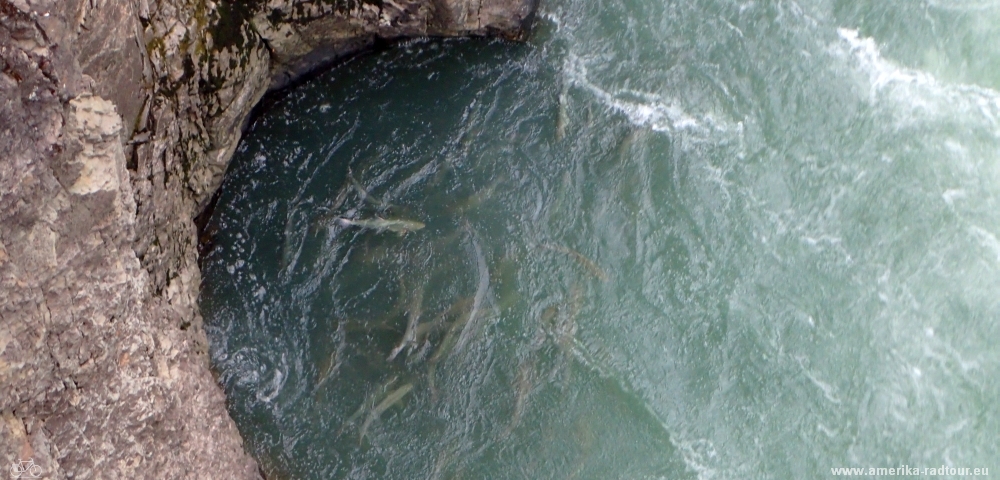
117, 122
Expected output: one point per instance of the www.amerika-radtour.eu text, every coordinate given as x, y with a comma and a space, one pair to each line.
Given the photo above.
910, 471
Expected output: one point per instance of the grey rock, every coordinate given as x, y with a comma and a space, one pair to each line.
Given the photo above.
117, 122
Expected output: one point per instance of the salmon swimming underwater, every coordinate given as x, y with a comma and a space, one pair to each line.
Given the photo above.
477, 301
402, 227
378, 203
587, 263
413, 317
367, 404
389, 400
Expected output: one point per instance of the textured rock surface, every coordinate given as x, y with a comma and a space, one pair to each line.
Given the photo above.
117, 121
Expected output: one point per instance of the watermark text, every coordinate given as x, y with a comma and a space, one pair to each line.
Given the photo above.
909, 471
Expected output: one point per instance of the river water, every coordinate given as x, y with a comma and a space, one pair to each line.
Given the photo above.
664, 239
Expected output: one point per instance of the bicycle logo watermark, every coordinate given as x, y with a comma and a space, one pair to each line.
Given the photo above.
23, 469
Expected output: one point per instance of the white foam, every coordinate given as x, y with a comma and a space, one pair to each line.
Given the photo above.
949, 196
643, 108
244, 365
882, 72
267, 393
986, 240
917, 94
699, 455
963, 5
552, 18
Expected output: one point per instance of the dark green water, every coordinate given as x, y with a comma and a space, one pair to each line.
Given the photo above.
700, 239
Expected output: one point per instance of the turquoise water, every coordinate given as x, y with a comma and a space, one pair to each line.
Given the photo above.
703, 239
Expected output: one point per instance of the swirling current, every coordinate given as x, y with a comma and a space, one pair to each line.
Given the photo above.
708, 239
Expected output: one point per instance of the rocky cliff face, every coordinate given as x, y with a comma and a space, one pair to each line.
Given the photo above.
117, 121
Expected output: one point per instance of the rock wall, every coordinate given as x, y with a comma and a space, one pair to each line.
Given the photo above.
117, 121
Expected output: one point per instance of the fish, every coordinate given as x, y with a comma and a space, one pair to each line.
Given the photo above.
563, 117
335, 359
365, 405
445, 459
448, 342
431, 385
329, 211
587, 263
524, 384
291, 247
378, 203
419, 176
399, 226
563, 333
481, 289
426, 329
413, 319
391, 399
